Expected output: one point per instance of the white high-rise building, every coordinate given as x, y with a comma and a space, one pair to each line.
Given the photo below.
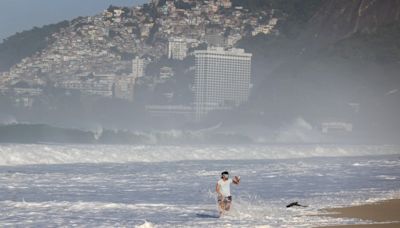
137, 67
222, 79
177, 48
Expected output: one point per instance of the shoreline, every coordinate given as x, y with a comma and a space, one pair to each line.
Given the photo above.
385, 214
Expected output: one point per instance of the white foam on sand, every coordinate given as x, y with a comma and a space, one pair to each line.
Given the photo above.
22, 154
98, 214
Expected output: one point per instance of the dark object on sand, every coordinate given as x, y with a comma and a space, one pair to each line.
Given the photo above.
295, 204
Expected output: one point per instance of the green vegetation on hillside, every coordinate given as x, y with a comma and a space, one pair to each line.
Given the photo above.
298, 12
24, 44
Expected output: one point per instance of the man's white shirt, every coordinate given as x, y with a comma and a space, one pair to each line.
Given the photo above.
225, 187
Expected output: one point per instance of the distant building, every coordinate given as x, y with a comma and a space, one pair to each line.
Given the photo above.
328, 127
30, 92
24, 101
166, 73
138, 67
124, 87
231, 40
225, 3
213, 7
118, 12
170, 111
215, 40
177, 48
266, 29
92, 85
25, 97
99, 85
222, 79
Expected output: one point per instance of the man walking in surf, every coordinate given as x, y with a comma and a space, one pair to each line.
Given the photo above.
223, 190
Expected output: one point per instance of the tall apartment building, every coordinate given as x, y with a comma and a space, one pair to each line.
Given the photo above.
177, 48
137, 67
222, 79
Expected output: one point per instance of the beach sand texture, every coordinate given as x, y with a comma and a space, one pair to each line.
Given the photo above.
385, 213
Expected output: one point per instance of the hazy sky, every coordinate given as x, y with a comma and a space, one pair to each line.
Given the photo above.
19, 15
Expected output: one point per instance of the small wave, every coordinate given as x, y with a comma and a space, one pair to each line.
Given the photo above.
358, 164
386, 177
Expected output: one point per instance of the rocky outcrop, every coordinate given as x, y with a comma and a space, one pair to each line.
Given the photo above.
339, 19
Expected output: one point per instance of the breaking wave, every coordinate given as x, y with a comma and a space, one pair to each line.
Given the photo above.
7, 119
24, 154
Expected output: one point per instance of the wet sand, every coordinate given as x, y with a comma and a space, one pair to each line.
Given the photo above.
386, 212
386, 225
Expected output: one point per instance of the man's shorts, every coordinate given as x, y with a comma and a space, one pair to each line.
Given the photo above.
226, 199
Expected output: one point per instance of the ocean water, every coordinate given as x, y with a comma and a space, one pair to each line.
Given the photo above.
173, 186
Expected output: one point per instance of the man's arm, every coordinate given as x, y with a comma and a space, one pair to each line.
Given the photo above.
236, 180
217, 188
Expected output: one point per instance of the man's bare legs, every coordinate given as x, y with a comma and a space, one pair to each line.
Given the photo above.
224, 205
221, 205
227, 205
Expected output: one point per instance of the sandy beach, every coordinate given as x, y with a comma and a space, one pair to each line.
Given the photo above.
387, 213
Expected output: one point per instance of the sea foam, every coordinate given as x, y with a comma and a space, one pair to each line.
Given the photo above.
23, 154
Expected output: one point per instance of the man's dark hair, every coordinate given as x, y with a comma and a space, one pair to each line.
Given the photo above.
224, 173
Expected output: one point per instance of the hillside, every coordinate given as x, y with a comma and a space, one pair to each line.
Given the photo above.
324, 60
342, 67
26, 43
341, 19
